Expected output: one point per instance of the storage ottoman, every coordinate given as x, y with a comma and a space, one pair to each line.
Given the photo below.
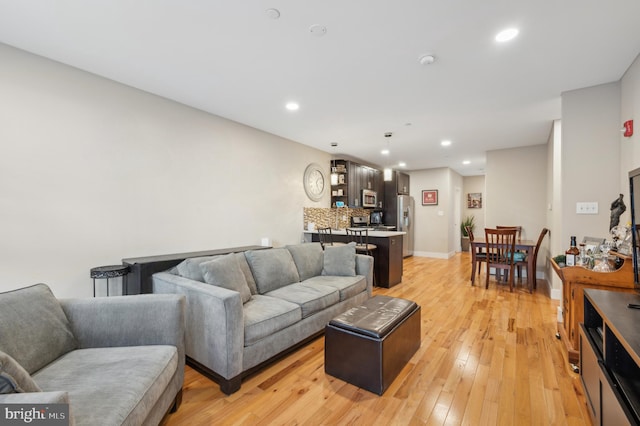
370, 344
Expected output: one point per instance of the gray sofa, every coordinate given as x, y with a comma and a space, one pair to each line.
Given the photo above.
244, 309
114, 361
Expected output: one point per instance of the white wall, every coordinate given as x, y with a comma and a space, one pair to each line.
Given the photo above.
92, 171
516, 182
434, 224
474, 184
590, 159
629, 110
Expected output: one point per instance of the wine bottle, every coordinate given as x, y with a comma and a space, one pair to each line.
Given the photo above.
572, 254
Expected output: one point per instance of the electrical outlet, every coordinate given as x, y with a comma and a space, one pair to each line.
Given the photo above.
587, 207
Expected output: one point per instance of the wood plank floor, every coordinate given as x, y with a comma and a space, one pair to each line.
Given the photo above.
488, 357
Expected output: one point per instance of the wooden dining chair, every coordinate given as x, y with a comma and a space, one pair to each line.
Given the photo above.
531, 275
518, 257
326, 238
480, 256
500, 246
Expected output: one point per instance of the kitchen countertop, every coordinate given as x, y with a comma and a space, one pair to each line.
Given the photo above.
379, 234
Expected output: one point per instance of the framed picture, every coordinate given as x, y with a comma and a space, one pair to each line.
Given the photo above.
474, 200
430, 197
592, 244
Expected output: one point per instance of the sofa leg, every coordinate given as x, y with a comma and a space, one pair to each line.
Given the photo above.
230, 386
176, 402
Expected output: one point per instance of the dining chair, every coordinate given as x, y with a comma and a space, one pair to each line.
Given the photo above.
519, 256
500, 246
531, 275
480, 256
326, 238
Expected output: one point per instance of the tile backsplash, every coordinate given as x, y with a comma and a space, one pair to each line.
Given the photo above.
337, 218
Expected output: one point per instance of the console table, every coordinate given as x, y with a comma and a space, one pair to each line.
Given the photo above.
142, 268
610, 357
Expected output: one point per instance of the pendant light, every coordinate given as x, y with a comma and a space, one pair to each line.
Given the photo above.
334, 174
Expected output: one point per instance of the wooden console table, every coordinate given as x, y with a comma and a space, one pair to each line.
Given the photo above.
575, 279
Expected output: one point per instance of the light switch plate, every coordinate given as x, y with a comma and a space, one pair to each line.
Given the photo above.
587, 207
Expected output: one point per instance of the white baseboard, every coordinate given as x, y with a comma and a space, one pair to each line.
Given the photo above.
435, 255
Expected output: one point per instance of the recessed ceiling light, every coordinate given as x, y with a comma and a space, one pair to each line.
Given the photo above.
292, 106
402, 164
318, 30
426, 59
384, 152
506, 35
465, 162
445, 143
272, 13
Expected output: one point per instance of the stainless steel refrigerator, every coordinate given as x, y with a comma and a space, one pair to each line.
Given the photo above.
399, 213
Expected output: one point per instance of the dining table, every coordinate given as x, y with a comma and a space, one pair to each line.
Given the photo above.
526, 246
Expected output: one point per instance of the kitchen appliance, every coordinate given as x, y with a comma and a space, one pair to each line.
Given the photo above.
399, 212
369, 198
359, 221
375, 218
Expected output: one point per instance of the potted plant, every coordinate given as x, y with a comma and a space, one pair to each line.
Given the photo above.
464, 241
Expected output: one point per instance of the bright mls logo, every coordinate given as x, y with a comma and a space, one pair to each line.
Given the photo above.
34, 414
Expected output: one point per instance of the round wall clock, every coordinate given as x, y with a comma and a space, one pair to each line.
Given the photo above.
314, 182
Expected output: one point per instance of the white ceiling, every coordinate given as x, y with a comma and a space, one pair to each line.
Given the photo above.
362, 78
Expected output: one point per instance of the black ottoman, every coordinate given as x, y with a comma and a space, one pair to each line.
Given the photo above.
370, 344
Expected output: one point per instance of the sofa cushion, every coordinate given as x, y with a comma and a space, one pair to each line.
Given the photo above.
16, 376
264, 316
225, 272
246, 270
112, 386
35, 330
190, 268
308, 259
347, 286
340, 260
310, 297
272, 268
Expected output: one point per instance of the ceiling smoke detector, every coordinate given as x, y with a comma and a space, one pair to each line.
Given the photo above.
426, 59
318, 30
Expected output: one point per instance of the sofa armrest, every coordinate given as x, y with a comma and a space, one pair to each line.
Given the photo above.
364, 266
215, 322
127, 321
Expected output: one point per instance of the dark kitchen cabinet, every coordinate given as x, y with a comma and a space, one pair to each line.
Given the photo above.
353, 178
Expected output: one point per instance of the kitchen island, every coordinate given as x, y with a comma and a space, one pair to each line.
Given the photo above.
387, 258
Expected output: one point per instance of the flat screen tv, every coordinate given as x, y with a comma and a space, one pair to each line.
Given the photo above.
634, 191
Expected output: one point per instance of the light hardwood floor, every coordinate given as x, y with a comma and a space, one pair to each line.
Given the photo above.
488, 357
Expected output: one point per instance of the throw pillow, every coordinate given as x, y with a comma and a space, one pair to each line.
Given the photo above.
308, 258
272, 268
340, 260
190, 268
246, 270
35, 330
14, 378
225, 272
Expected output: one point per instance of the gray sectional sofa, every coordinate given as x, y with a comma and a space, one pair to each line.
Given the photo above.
114, 361
244, 309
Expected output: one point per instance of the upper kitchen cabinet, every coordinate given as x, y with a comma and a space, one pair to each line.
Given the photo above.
399, 184
352, 179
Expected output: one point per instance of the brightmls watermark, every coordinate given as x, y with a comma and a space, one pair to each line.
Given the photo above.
34, 414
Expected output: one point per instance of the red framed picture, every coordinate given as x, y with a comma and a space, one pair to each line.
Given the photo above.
430, 197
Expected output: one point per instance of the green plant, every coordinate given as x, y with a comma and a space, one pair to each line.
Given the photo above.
468, 221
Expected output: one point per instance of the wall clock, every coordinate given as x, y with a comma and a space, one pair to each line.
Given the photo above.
314, 182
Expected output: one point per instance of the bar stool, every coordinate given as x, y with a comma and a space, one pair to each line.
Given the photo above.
107, 272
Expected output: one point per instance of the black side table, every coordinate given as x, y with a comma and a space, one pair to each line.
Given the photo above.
112, 271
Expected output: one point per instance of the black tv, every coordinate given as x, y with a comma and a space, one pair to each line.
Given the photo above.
634, 191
